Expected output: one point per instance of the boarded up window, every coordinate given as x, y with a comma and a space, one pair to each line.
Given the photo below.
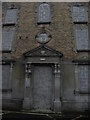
5, 76
11, 16
80, 14
44, 15
81, 36
89, 78
7, 37
83, 76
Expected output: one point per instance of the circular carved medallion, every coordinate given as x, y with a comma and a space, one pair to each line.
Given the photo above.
43, 37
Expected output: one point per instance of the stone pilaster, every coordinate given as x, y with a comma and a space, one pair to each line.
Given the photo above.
9, 93
26, 102
57, 102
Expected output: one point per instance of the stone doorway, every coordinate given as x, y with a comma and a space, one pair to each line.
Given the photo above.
43, 87
42, 79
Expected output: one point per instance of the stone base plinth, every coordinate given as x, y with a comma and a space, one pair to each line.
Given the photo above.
26, 103
57, 106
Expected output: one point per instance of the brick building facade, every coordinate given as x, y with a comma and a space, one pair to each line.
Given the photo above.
45, 62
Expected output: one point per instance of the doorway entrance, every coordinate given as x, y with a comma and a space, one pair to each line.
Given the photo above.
42, 79
42, 87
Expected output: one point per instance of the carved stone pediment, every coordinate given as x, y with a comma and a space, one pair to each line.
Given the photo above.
43, 50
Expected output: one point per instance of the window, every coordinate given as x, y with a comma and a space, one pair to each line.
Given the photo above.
82, 73
80, 14
11, 16
7, 38
80, 23
81, 35
43, 13
8, 30
5, 76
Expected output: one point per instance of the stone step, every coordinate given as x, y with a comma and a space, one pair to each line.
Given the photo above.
42, 116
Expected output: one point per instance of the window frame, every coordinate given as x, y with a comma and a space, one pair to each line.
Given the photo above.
36, 5
41, 20
79, 23
8, 89
11, 63
11, 41
11, 23
77, 80
80, 49
10, 7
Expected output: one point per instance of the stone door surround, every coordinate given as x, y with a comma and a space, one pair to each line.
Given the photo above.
42, 55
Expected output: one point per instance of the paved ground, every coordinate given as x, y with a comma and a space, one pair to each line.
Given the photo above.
43, 116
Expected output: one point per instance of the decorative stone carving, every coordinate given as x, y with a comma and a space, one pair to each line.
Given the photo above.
47, 51
43, 37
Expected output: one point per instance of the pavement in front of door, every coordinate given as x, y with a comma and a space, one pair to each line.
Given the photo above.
14, 115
